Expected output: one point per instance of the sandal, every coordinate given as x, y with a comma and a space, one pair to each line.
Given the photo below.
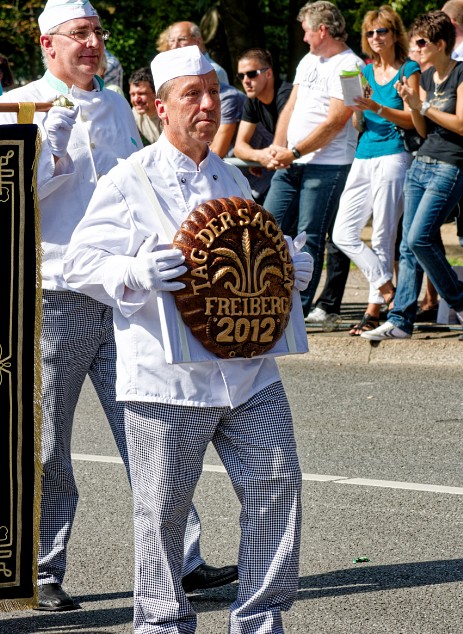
387, 306
427, 314
389, 303
366, 323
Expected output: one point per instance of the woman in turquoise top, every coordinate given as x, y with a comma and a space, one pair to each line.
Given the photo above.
374, 187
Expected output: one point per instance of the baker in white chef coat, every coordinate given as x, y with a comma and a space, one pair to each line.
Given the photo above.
119, 255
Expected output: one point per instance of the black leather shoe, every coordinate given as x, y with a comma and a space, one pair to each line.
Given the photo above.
52, 598
205, 576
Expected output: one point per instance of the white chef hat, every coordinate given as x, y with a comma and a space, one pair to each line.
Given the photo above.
179, 62
59, 11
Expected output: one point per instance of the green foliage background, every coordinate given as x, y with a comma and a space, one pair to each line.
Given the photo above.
136, 24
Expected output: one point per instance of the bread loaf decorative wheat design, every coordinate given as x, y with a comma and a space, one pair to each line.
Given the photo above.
238, 294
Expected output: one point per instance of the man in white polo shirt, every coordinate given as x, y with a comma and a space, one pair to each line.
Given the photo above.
314, 147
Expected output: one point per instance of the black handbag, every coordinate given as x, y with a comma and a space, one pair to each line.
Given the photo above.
412, 140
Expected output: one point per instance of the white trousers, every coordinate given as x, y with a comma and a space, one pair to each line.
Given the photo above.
374, 188
255, 441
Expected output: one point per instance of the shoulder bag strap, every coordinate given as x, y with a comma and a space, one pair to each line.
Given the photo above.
168, 226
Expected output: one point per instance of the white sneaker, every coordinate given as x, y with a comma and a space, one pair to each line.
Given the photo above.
385, 331
320, 316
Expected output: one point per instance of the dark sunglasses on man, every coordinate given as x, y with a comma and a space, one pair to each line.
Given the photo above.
251, 74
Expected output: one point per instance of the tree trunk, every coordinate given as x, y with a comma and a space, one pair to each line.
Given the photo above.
297, 47
243, 26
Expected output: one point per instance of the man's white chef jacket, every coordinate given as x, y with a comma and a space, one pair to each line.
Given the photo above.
118, 220
105, 130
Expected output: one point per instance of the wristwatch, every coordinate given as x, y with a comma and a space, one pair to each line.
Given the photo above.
424, 108
296, 152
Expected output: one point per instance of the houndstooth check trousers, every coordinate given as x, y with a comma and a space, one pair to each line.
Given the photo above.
255, 441
78, 339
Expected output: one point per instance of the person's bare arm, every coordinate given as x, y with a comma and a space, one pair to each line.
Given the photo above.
415, 100
281, 130
243, 148
402, 118
322, 135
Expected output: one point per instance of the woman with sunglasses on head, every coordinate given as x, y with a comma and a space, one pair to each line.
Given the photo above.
434, 182
374, 187
429, 303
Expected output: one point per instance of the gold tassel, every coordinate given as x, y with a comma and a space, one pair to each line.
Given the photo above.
26, 112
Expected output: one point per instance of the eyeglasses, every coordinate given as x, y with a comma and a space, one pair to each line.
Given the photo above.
381, 31
181, 40
83, 35
422, 43
251, 74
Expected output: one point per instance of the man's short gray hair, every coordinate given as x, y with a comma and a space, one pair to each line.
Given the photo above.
165, 89
44, 53
195, 31
326, 13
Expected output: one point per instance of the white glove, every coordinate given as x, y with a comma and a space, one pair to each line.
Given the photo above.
150, 270
302, 262
58, 125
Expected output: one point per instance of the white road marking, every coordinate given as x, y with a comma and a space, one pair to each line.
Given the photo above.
313, 477
92, 458
409, 486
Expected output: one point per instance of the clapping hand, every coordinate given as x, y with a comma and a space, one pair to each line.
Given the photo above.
409, 96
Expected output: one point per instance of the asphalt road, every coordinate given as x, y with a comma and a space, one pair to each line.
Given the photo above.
381, 451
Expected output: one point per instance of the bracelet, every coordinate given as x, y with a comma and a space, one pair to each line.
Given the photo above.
379, 111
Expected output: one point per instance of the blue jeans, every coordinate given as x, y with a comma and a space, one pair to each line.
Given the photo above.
431, 191
305, 197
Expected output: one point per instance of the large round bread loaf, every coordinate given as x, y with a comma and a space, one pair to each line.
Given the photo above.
240, 278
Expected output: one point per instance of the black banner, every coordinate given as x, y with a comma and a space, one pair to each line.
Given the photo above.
20, 422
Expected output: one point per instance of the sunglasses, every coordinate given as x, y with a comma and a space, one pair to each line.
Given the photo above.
381, 31
251, 74
422, 43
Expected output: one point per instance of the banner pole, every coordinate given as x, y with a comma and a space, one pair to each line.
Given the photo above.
14, 107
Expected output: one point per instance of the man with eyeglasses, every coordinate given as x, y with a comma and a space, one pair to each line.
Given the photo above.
185, 33
79, 145
314, 147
